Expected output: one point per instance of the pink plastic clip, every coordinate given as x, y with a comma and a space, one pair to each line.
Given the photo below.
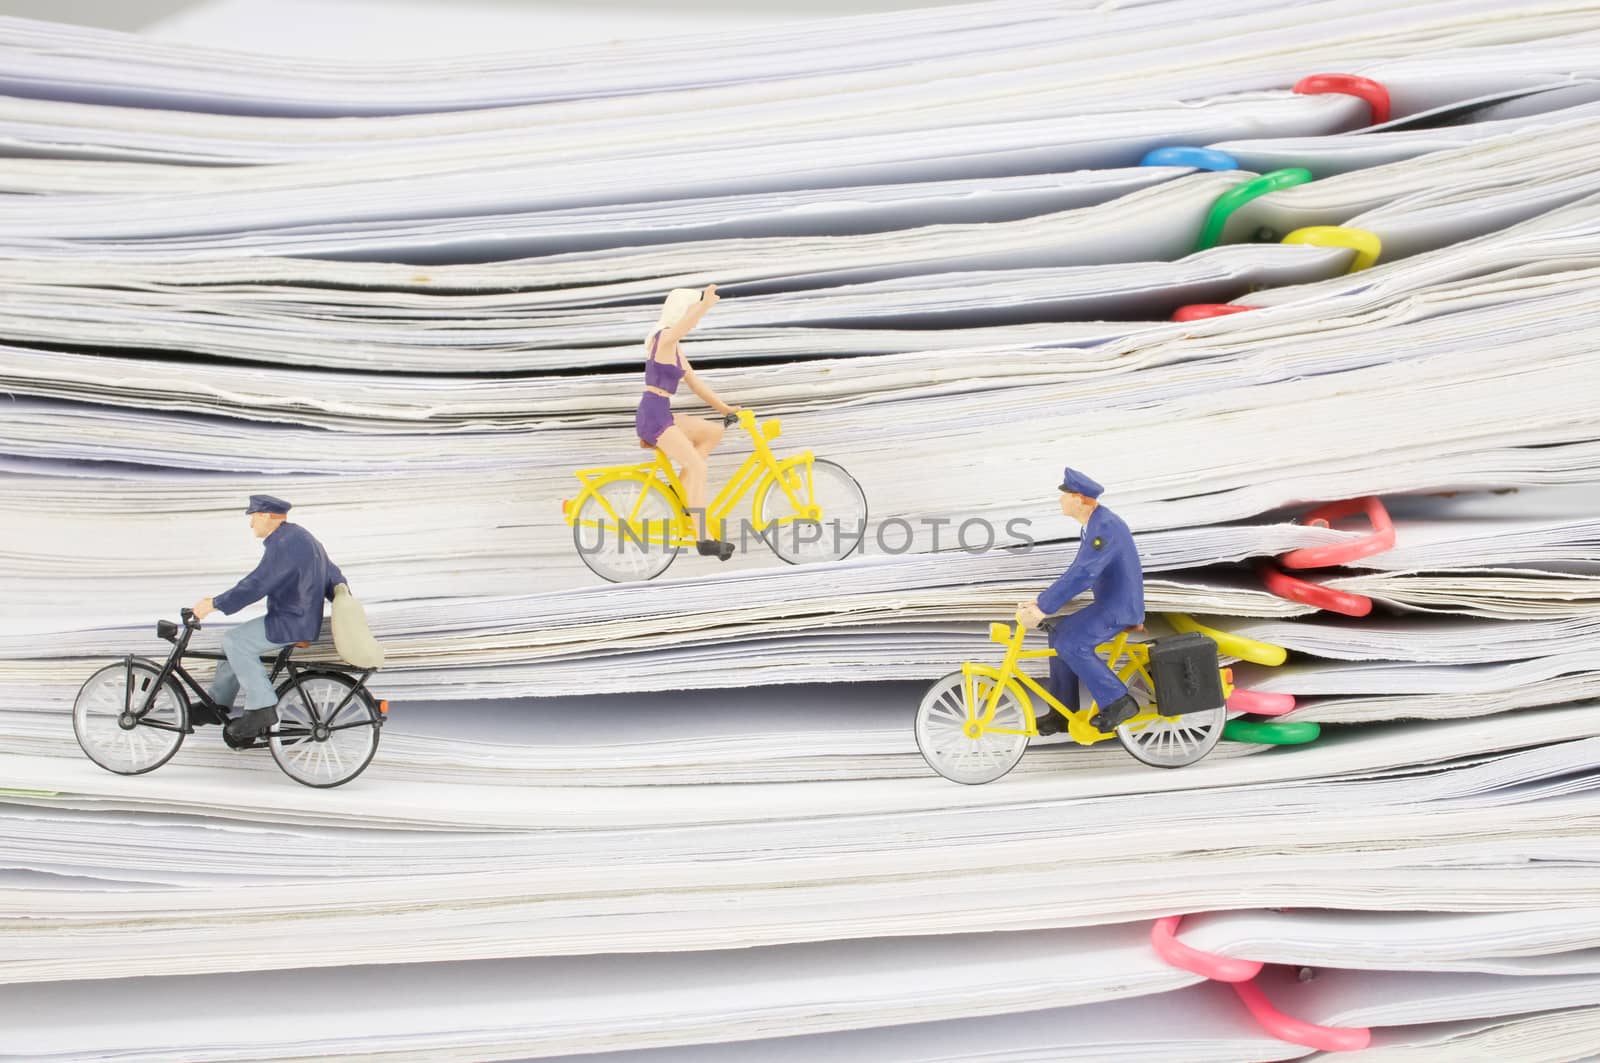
1298, 1031
1376, 95
1314, 594
1239, 974
1258, 703
1202, 311
1164, 937
1381, 538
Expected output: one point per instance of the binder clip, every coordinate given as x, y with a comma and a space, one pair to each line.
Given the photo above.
1313, 594
1234, 198
1279, 582
1240, 975
1253, 702
1197, 158
1203, 311
1378, 541
1366, 245
1376, 95
1381, 538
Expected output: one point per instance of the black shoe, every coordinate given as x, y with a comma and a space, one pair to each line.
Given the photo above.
203, 715
1049, 722
714, 548
242, 731
1115, 714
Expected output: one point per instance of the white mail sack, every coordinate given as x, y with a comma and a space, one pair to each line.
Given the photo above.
351, 635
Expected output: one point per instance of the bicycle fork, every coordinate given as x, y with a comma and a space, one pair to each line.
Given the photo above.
131, 717
976, 725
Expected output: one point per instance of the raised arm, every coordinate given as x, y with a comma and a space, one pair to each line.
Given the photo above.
675, 332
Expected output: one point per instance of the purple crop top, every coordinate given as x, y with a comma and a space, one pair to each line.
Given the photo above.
660, 374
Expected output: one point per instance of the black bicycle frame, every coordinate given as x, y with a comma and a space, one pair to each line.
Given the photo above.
173, 666
297, 670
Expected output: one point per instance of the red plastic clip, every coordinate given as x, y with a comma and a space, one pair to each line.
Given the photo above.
1313, 594
1240, 974
1381, 539
1201, 311
1376, 95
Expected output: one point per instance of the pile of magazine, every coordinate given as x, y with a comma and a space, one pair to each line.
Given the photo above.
1238, 262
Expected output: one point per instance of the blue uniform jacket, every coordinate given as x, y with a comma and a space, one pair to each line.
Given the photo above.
1108, 562
295, 576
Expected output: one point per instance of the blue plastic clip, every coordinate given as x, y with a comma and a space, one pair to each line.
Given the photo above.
1199, 158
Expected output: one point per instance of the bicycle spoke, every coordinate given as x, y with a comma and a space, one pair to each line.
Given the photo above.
334, 707
605, 504
638, 504
943, 730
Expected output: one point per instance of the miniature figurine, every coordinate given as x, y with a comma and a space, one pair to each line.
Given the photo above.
1107, 562
295, 576
795, 500
686, 440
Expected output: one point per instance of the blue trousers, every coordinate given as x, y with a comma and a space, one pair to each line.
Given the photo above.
243, 647
1074, 640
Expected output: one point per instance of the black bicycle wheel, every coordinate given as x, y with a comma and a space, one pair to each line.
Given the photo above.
323, 738
129, 745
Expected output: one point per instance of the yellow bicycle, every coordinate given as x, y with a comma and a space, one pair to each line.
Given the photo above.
629, 521
973, 725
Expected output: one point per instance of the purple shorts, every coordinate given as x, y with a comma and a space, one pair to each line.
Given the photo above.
653, 418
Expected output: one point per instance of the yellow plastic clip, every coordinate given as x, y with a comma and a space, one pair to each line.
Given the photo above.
1365, 244
1232, 645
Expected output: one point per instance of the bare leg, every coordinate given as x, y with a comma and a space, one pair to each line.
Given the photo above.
704, 434
676, 444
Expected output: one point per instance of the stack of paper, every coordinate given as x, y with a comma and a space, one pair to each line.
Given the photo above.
688, 818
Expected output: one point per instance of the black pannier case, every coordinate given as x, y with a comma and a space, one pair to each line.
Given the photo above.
1185, 671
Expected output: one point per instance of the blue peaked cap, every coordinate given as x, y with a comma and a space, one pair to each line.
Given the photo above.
267, 504
1076, 482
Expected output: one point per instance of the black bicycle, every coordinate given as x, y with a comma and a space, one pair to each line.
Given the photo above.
131, 717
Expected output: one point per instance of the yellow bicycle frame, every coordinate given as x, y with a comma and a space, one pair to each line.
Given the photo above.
762, 470
1134, 658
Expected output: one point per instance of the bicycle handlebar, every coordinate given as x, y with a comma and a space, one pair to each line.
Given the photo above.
188, 618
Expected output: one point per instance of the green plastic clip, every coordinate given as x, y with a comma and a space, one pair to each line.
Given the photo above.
1272, 732
1234, 198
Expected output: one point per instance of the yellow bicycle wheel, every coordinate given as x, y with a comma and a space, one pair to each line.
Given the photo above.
1169, 741
624, 529
815, 515
945, 732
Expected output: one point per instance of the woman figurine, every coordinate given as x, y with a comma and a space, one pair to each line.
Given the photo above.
686, 440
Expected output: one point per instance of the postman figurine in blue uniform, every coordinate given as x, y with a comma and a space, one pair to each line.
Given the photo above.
295, 576
1107, 563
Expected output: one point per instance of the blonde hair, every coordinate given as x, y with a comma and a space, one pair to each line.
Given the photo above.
679, 300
